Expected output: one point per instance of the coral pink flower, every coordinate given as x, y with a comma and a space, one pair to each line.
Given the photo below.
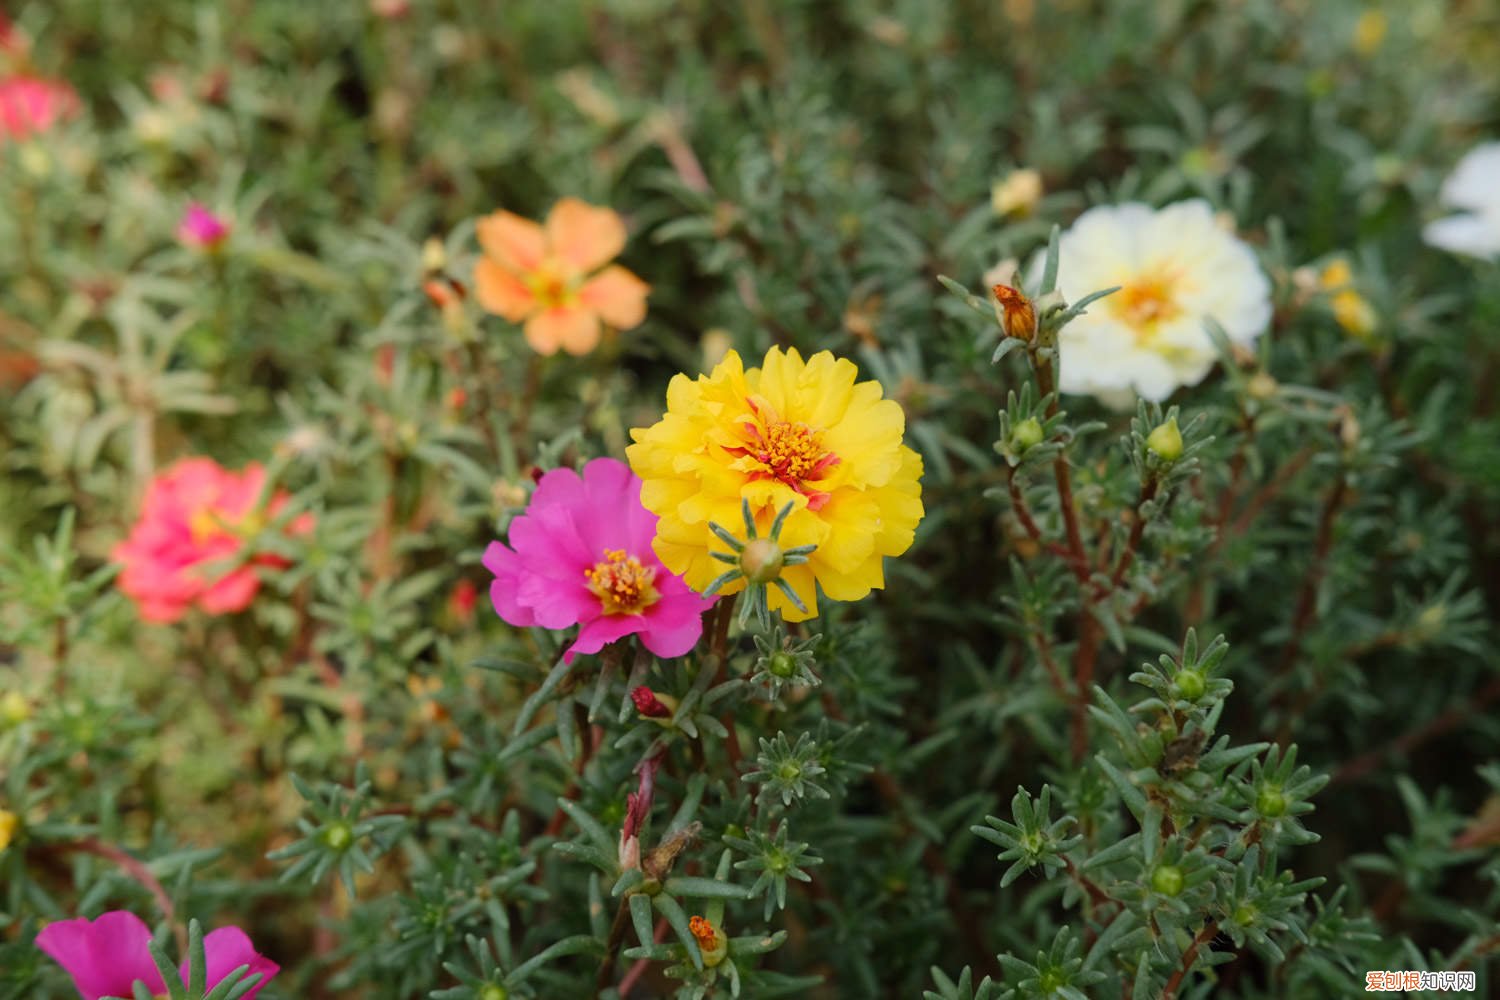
201, 228
547, 276
581, 555
186, 547
30, 105
107, 956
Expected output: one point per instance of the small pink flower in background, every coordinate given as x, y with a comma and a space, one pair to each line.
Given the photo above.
30, 106
581, 555
202, 229
108, 955
197, 518
554, 277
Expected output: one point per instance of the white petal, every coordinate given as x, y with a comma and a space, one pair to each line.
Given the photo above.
1467, 234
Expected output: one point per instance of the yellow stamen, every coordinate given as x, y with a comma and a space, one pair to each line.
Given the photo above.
622, 584
1146, 302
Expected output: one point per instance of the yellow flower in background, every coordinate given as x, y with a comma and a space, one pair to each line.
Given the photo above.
796, 431
1369, 32
8, 823
1351, 310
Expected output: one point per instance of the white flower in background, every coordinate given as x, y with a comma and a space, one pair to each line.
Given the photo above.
1474, 188
1176, 268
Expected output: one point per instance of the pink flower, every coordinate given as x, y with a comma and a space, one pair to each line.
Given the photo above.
107, 956
196, 521
201, 228
30, 105
581, 555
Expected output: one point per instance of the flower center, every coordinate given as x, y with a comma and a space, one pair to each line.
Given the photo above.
789, 452
551, 289
1147, 301
209, 523
622, 584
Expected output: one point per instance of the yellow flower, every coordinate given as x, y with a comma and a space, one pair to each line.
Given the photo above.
8, 823
1354, 313
1369, 32
794, 431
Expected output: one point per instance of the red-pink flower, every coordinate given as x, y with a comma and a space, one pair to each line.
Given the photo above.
581, 555
30, 105
201, 228
107, 956
188, 547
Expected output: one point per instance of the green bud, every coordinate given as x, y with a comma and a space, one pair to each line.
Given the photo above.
1167, 880
494, 992
783, 665
1166, 441
1189, 685
1027, 434
339, 836
1269, 801
761, 561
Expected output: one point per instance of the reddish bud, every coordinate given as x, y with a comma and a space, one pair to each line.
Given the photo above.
1020, 314
648, 704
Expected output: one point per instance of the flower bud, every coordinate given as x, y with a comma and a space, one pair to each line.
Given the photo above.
202, 229
14, 708
1262, 385
1027, 434
1270, 801
1017, 194
783, 665
434, 256
339, 836
1019, 313
1354, 313
1189, 685
761, 560
1167, 880
652, 705
1165, 442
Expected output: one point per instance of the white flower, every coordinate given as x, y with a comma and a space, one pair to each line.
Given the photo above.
1473, 187
1176, 268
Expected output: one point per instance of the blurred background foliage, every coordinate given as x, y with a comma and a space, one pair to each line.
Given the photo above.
792, 173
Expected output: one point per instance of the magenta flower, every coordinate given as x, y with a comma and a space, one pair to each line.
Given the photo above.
581, 555
107, 956
201, 228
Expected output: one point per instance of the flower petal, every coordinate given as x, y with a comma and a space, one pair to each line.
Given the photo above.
584, 236
105, 956
501, 292
514, 243
225, 950
574, 330
602, 631
618, 296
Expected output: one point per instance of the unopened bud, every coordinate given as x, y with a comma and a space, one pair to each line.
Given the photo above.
1027, 434
652, 705
1167, 880
1189, 685
1165, 442
1270, 801
783, 665
14, 708
434, 255
1262, 385
1018, 312
1017, 194
761, 560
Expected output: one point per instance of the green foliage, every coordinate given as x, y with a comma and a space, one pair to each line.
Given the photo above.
397, 795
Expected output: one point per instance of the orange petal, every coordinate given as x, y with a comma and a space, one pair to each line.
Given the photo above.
501, 292
514, 243
574, 330
618, 296
583, 235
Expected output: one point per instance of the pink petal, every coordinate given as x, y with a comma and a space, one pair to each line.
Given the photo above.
233, 592
597, 634
675, 624
228, 948
105, 957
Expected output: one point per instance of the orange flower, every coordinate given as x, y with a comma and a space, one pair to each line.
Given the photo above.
554, 276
